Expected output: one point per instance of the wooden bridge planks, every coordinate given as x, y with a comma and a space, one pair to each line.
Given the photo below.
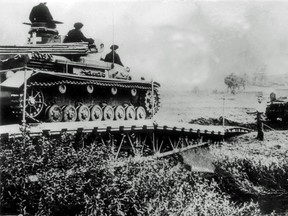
114, 126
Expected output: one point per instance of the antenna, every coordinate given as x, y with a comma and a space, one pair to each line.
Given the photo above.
113, 30
223, 123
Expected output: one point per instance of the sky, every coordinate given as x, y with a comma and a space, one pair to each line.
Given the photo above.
180, 43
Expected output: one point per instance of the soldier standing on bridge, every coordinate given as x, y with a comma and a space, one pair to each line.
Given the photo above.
260, 111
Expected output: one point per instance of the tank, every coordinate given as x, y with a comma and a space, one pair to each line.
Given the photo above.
277, 108
56, 82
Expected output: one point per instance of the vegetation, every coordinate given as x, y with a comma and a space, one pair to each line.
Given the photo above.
247, 169
51, 177
235, 82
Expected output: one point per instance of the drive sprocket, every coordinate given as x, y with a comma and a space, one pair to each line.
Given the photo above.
152, 101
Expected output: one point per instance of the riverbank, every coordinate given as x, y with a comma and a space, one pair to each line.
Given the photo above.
247, 168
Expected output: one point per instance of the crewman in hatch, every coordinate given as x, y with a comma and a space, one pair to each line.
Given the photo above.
113, 57
41, 13
76, 35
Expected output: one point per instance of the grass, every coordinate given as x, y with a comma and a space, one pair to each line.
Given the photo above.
59, 180
247, 168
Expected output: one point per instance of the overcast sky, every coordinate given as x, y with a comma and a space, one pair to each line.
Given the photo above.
175, 42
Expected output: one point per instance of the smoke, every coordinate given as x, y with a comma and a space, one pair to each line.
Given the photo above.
182, 43
245, 38
199, 43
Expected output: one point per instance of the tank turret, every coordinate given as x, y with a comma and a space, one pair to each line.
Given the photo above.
277, 108
42, 33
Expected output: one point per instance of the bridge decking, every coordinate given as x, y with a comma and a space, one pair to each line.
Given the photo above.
114, 126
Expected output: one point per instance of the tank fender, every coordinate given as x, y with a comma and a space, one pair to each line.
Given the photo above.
17, 79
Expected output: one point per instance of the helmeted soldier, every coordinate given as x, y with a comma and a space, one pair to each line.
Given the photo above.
75, 35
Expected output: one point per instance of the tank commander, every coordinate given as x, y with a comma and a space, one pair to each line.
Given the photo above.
41, 13
75, 35
260, 111
113, 57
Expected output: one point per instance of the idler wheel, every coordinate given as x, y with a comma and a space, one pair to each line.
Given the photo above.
83, 113
140, 113
34, 102
108, 113
96, 113
69, 113
130, 113
119, 113
54, 113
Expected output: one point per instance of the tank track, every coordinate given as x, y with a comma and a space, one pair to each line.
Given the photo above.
63, 82
40, 107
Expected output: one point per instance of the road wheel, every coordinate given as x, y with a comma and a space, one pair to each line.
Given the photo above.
119, 113
83, 113
108, 112
96, 113
54, 113
130, 113
140, 113
69, 113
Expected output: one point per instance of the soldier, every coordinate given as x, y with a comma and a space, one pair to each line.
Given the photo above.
273, 97
41, 13
113, 57
75, 35
260, 111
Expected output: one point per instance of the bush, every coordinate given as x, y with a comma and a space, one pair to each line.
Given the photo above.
50, 177
251, 174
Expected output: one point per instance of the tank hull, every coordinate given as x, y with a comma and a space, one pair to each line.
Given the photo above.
49, 92
277, 110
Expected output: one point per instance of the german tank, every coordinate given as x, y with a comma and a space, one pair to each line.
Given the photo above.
277, 108
54, 81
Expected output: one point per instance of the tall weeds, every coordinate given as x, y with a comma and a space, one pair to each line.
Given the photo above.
253, 171
51, 177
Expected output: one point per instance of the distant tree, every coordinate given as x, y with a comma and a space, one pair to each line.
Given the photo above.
196, 90
234, 82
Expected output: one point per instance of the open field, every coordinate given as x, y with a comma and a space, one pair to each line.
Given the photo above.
245, 152
250, 177
184, 106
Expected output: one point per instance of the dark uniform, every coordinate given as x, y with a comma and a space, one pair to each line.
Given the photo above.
260, 134
75, 35
113, 57
259, 117
41, 13
260, 111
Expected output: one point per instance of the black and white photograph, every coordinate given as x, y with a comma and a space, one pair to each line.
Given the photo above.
141, 107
